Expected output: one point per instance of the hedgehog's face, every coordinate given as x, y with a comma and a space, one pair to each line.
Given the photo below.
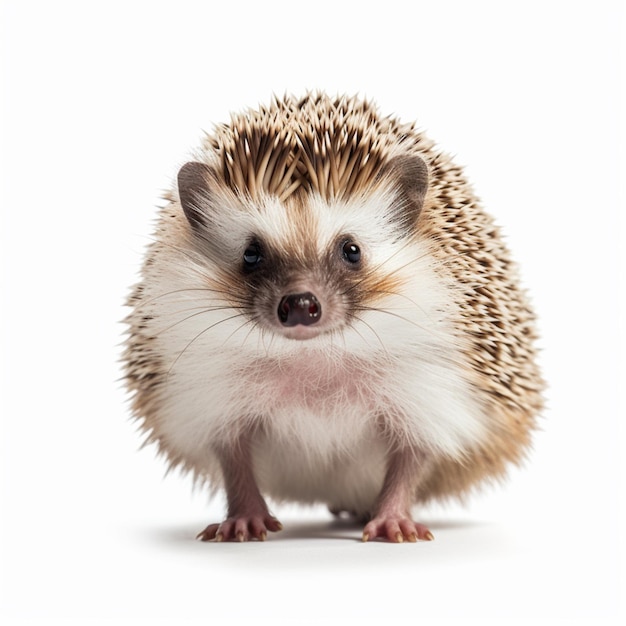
302, 286
305, 267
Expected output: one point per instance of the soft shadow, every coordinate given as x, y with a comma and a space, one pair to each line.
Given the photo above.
339, 529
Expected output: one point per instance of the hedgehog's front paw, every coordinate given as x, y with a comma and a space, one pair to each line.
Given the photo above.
396, 528
241, 528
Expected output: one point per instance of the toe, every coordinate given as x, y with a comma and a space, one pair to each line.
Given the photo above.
273, 524
396, 529
241, 529
209, 533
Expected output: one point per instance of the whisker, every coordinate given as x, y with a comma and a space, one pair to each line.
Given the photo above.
224, 294
451, 355
202, 312
376, 268
434, 263
153, 299
396, 315
432, 330
267, 347
197, 308
373, 331
253, 324
208, 328
356, 330
197, 264
397, 293
248, 321
416, 304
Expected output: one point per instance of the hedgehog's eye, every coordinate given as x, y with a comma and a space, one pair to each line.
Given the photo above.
252, 256
351, 252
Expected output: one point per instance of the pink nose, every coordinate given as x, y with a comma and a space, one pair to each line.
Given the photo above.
299, 308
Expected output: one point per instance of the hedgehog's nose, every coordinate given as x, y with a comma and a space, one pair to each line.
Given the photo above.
299, 308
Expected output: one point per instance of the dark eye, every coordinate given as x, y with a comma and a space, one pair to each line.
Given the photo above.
252, 256
351, 252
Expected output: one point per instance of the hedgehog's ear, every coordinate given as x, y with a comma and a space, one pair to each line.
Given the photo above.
409, 174
195, 181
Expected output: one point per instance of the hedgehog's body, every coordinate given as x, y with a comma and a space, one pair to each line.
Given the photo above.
327, 315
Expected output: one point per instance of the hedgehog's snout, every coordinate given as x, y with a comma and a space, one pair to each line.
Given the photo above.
299, 308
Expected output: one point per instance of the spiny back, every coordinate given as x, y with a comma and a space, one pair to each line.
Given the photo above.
334, 147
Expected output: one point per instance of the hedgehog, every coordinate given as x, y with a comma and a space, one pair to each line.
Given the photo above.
327, 315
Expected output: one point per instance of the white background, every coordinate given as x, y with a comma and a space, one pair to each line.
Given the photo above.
102, 102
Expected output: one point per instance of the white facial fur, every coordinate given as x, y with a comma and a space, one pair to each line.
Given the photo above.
320, 400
